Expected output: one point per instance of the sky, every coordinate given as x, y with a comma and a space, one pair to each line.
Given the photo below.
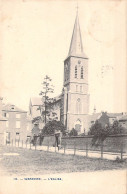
35, 39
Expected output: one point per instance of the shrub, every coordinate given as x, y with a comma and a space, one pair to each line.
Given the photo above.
51, 126
73, 132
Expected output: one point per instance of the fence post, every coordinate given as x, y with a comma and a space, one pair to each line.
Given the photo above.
101, 149
64, 147
86, 148
74, 147
121, 152
35, 145
30, 143
48, 145
55, 146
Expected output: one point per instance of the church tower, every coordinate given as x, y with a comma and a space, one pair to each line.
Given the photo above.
75, 98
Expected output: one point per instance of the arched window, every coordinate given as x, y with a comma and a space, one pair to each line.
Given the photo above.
78, 125
78, 106
82, 72
76, 71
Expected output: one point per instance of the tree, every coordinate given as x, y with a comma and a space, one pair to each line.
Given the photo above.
100, 133
117, 128
36, 119
73, 132
47, 102
51, 126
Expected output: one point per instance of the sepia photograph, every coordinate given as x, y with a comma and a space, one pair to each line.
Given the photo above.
63, 96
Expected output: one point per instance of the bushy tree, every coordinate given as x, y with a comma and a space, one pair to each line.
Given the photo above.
36, 119
73, 132
100, 132
51, 126
117, 128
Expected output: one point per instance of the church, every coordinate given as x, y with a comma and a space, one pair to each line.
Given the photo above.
72, 106
75, 97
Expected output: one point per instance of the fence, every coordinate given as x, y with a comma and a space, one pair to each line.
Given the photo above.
114, 145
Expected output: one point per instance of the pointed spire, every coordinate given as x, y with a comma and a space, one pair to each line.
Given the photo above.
76, 46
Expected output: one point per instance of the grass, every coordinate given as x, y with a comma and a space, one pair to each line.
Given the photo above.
31, 162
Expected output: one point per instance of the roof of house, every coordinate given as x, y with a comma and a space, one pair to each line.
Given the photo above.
12, 108
2, 118
114, 115
123, 118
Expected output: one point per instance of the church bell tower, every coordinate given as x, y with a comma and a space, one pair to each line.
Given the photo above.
75, 97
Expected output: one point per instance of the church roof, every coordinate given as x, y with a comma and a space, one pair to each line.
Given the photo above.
76, 46
57, 98
36, 101
94, 116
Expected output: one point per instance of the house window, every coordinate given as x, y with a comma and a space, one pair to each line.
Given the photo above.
17, 116
17, 124
82, 72
80, 88
76, 88
76, 71
17, 135
6, 115
7, 124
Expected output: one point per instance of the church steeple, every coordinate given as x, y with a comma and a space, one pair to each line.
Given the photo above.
76, 46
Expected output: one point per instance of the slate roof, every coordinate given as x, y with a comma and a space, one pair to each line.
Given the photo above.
2, 118
94, 117
36, 101
76, 46
12, 108
57, 98
114, 115
123, 118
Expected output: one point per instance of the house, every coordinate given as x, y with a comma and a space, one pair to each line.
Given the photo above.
102, 117
114, 116
3, 121
35, 103
16, 124
108, 118
123, 121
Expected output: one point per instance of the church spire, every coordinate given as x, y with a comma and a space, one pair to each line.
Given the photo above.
76, 46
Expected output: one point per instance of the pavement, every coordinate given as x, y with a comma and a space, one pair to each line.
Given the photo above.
89, 153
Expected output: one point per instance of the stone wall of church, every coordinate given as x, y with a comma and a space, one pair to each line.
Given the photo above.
74, 121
